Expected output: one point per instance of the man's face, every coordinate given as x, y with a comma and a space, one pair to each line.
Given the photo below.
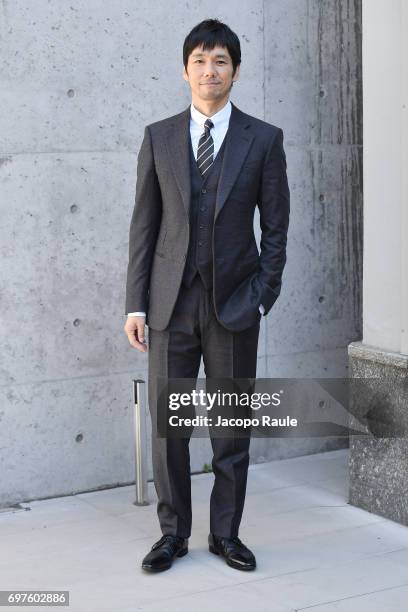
210, 73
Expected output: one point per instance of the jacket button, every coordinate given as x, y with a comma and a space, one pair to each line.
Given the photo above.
203, 191
200, 242
203, 208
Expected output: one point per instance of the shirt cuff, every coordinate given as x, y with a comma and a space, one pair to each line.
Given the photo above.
136, 314
261, 309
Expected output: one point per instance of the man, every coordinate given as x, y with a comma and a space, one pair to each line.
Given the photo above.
196, 278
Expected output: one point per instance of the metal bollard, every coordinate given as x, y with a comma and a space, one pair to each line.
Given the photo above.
139, 400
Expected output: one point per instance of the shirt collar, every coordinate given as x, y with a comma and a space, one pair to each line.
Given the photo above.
220, 117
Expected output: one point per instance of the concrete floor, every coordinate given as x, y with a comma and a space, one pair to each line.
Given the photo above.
314, 551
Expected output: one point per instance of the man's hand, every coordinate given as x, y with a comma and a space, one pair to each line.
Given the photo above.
135, 331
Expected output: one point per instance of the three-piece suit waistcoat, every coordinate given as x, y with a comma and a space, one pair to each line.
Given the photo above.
202, 210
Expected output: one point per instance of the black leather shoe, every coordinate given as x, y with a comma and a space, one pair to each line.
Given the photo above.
163, 552
235, 553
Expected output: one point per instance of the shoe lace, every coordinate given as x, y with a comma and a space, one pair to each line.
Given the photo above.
226, 542
173, 541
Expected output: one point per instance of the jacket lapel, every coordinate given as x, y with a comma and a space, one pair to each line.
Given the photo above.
239, 140
237, 145
178, 148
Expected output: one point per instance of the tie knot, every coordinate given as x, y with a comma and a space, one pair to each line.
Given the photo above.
208, 125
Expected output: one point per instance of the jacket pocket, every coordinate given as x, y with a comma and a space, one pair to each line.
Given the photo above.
247, 265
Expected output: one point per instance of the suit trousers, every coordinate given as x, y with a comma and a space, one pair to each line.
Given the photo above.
194, 332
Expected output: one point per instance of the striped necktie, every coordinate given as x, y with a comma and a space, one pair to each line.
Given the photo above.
205, 151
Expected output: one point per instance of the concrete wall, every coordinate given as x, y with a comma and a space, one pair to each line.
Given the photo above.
385, 175
78, 82
378, 464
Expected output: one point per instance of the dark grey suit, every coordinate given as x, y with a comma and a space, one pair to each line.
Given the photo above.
253, 173
213, 313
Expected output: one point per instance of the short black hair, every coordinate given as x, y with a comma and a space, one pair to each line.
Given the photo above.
212, 33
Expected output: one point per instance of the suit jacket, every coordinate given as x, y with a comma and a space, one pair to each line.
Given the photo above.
253, 174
